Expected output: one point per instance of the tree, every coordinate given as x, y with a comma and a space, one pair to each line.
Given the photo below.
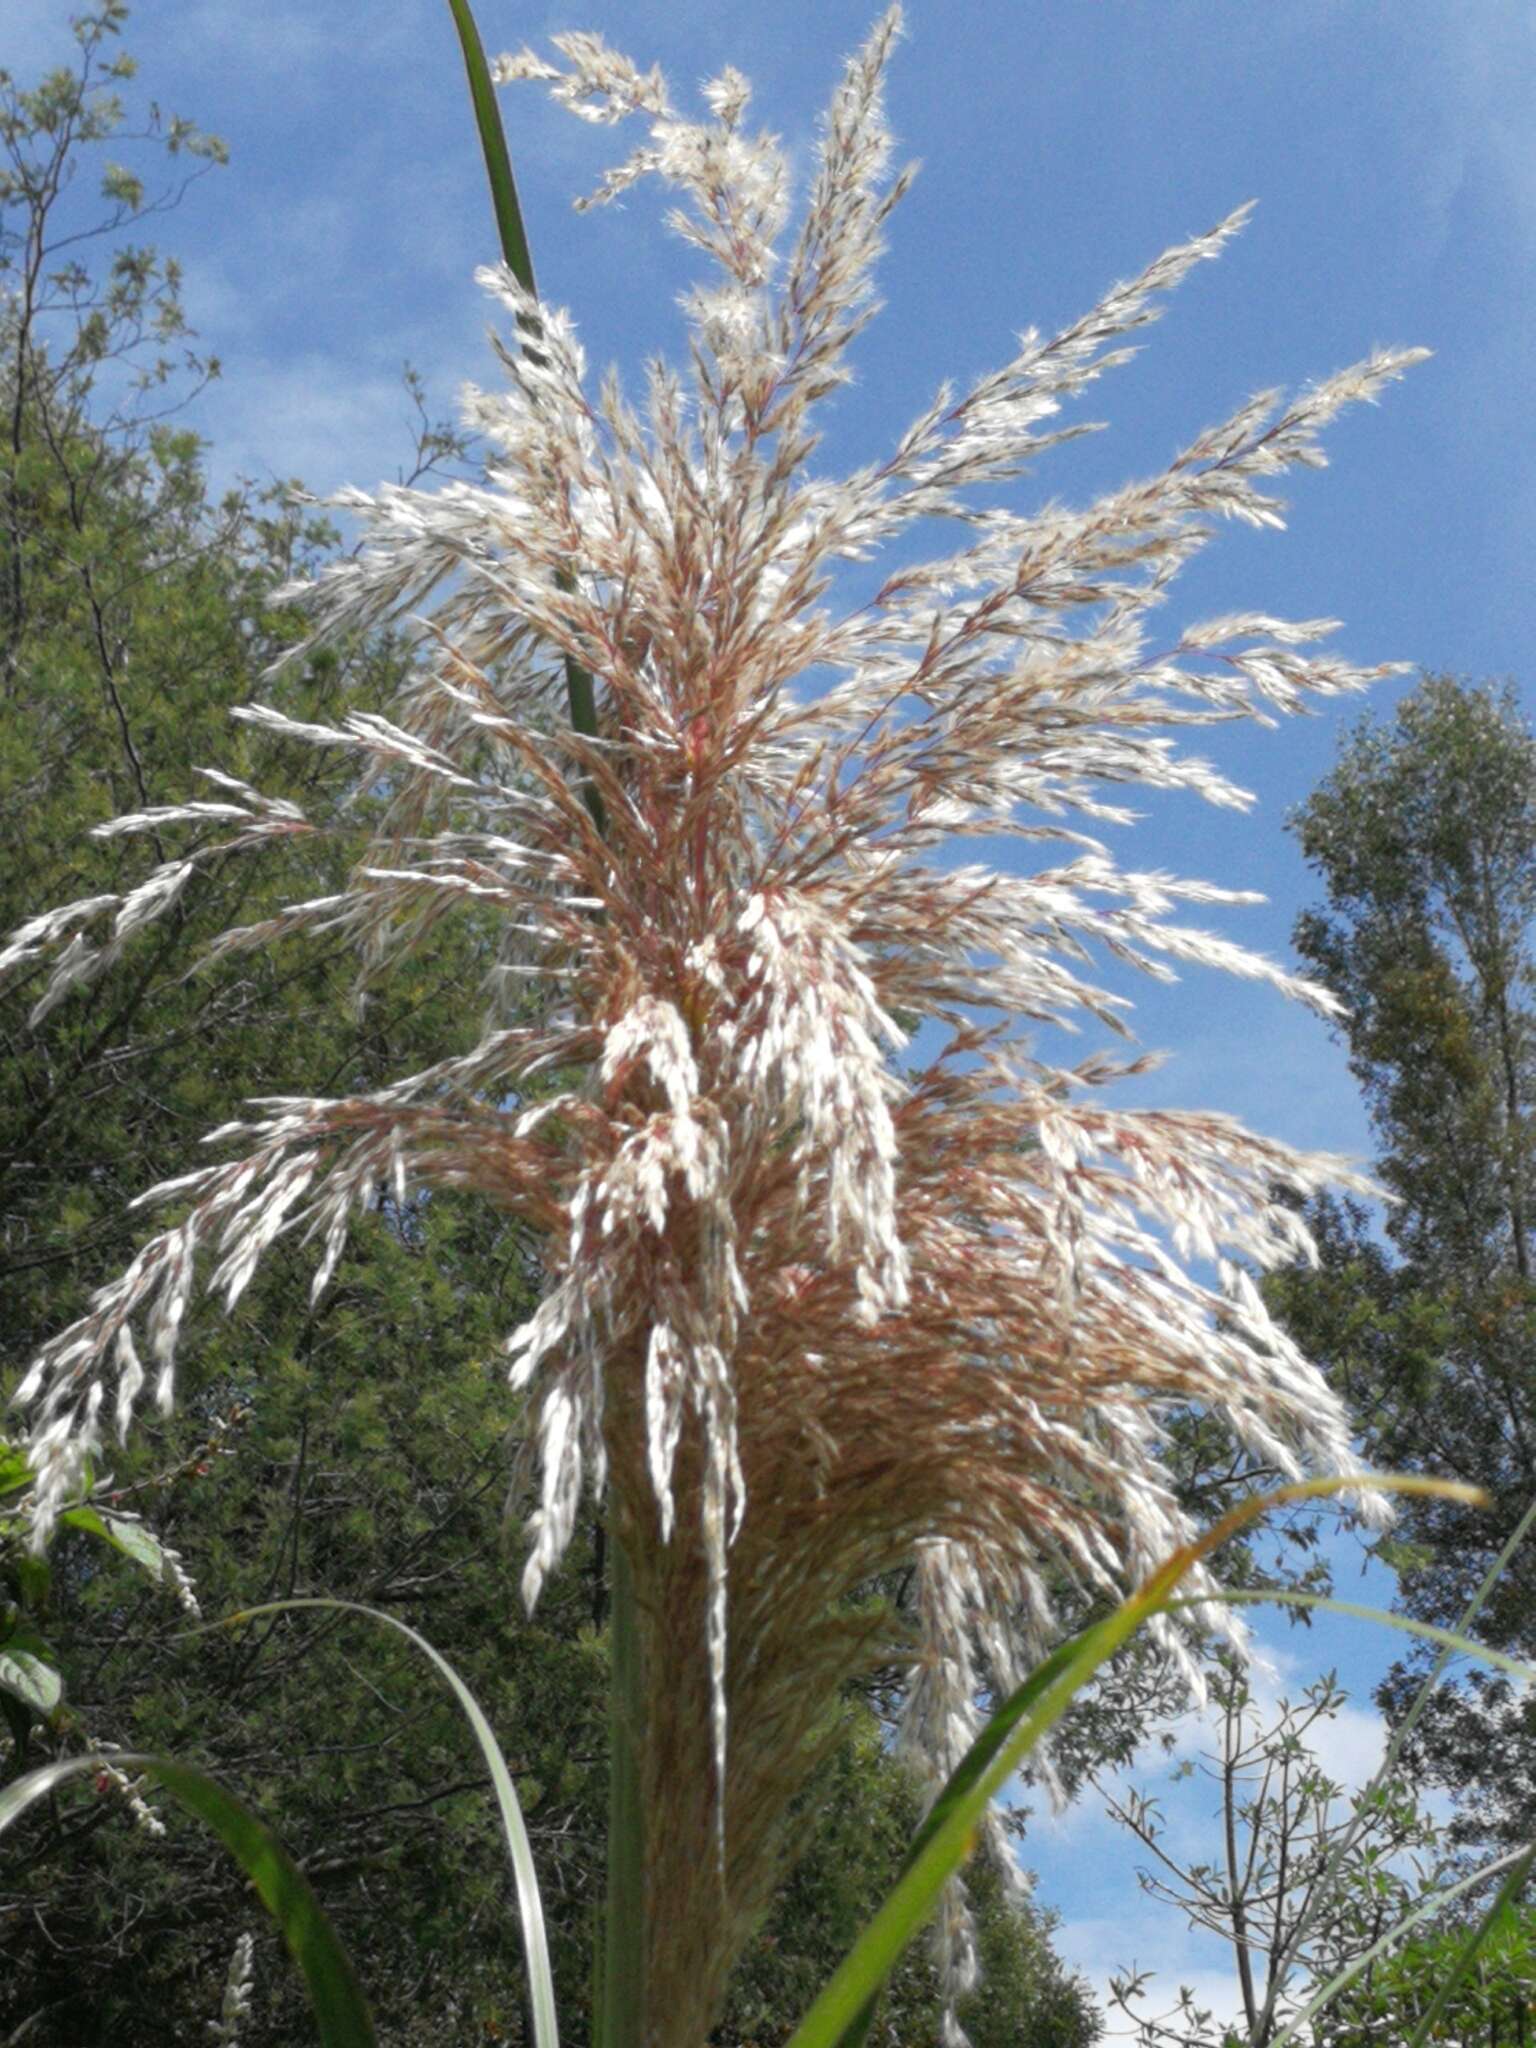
1493, 2007
1424, 837
123, 323
138, 614
1305, 1880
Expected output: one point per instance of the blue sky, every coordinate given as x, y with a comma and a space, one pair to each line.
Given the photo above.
1394, 158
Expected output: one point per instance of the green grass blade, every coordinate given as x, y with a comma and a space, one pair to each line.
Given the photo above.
949, 1833
580, 694
493, 146
1450, 1640
341, 2011
581, 703
968, 1775
541, 1989
840, 2014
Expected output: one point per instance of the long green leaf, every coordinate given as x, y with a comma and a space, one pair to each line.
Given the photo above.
946, 1840
968, 1775
1450, 1640
618, 2008
949, 1835
541, 1987
341, 2011
493, 146
580, 695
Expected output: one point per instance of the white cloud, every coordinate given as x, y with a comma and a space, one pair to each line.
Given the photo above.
312, 417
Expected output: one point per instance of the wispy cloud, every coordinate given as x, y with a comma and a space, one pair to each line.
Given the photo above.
310, 418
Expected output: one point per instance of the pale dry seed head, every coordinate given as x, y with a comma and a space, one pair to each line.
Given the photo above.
812, 1314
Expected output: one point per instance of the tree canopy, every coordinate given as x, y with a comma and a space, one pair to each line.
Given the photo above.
1424, 837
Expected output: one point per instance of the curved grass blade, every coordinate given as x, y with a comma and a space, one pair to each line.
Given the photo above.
493, 146
541, 1989
580, 695
341, 2011
841, 2013
1450, 1640
967, 1775
948, 1836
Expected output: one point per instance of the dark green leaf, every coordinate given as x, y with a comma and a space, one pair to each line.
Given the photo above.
27, 1672
132, 1539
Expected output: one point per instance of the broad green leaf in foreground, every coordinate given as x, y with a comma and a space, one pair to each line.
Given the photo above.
27, 1672
15, 1472
131, 1538
841, 2014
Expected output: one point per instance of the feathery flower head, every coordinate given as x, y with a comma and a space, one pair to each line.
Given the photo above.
812, 1313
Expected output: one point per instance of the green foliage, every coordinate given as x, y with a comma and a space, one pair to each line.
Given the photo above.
1494, 2007
340, 2010
530, 1909
1424, 837
376, 1467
